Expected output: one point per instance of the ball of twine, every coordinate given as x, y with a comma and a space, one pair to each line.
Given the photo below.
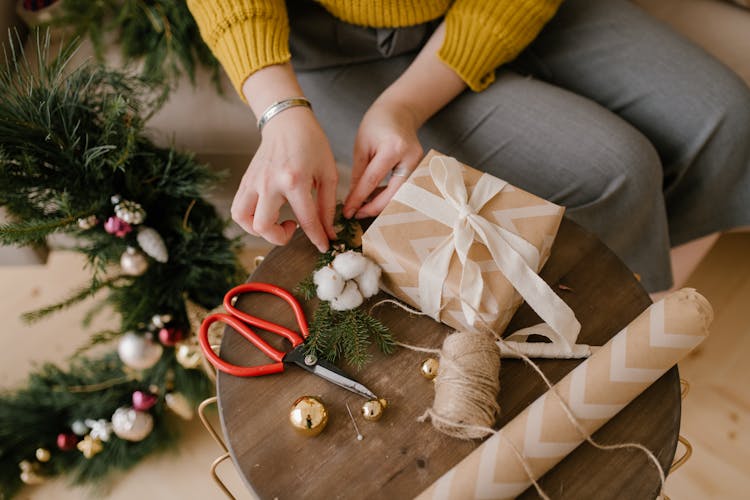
466, 386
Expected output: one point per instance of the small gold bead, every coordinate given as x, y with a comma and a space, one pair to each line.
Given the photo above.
429, 368
372, 410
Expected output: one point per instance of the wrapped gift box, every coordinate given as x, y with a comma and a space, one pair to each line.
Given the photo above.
444, 238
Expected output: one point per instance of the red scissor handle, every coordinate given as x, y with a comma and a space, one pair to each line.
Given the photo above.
239, 320
291, 336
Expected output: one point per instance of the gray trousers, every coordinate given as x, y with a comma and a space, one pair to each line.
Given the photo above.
642, 136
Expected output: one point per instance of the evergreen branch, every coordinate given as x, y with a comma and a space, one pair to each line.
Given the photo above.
98, 338
33, 231
83, 294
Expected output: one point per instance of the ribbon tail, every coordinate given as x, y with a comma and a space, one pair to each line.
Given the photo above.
532, 288
432, 276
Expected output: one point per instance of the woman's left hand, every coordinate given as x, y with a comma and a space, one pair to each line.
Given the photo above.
386, 143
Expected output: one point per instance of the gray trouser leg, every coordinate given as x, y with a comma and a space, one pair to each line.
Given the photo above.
638, 133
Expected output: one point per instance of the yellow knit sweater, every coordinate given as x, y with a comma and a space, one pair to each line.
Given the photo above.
247, 35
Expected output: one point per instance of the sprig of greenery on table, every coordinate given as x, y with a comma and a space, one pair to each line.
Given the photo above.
343, 334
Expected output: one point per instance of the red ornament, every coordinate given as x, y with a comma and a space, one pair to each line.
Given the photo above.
143, 401
67, 441
170, 336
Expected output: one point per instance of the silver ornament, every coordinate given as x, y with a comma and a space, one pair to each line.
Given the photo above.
87, 222
79, 428
115, 199
133, 262
132, 425
130, 211
179, 404
152, 243
138, 352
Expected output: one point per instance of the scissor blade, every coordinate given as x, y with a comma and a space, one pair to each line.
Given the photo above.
343, 381
327, 371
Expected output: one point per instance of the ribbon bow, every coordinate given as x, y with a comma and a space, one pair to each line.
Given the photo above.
516, 258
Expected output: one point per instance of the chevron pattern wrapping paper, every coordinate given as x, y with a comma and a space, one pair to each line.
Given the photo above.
595, 391
401, 238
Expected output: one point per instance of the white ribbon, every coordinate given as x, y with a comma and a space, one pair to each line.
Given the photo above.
516, 258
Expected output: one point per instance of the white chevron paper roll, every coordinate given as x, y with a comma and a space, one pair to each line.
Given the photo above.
595, 391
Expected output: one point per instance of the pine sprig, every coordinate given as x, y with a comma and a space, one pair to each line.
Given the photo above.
160, 34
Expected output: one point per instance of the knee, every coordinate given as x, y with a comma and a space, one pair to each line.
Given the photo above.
620, 174
727, 100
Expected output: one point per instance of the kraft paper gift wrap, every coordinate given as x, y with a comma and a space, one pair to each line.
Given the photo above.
460, 245
594, 391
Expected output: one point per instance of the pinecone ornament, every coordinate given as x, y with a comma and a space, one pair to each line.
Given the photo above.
152, 243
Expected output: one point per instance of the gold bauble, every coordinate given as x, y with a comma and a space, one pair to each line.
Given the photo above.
429, 368
373, 409
179, 404
43, 455
133, 262
189, 355
90, 446
308, 416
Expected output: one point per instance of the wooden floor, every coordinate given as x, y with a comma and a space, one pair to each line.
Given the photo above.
716, 413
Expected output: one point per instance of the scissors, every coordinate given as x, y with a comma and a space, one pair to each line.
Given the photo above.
242, 322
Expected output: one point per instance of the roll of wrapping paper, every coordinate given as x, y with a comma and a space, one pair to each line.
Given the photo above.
595, 391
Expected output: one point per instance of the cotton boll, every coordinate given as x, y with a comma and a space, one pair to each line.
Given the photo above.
349, 298
350, 264
328, 283
369, 281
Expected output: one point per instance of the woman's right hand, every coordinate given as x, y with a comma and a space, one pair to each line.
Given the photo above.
293, 164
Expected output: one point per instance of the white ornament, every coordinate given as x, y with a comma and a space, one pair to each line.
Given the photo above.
349, 298
115, 199
79, 428
100, 429
133, 262
179, 404
132, 425
369, 281
328, 283
138, 352
130, 211
349, 264
152, 243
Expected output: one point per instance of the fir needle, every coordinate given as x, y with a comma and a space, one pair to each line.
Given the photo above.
360, 437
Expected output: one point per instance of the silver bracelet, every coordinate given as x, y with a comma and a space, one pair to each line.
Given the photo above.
279, 106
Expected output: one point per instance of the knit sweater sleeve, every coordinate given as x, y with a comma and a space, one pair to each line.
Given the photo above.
244, 36
482, 35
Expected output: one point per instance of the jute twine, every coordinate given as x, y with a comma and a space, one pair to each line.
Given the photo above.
466, 386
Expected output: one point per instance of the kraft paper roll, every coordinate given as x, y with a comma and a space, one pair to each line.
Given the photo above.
595, 391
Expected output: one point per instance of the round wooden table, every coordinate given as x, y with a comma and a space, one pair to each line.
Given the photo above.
399, 457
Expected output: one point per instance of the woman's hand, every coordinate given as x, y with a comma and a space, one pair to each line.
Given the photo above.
293, 160
386, 141
387, 137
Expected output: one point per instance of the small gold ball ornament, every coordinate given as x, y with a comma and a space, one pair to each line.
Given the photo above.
133, 262
308, 416
429, 368
43, 455
373, 409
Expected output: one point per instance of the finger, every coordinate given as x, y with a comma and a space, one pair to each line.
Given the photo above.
327, 204
360, 161
243, 209
378, 203
265, 220
303, 207
378, 168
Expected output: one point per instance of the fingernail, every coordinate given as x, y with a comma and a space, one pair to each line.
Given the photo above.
348, 212
360, 215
